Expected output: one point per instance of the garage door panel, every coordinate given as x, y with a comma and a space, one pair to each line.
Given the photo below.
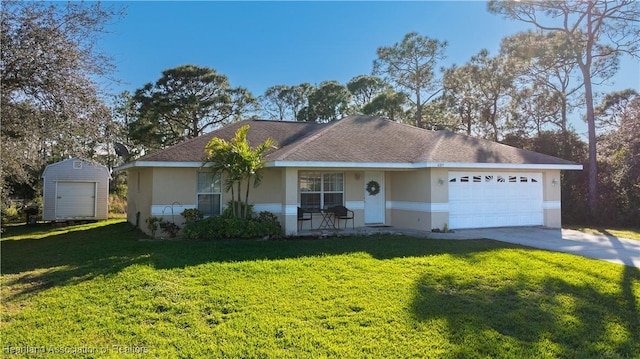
75, 199
494, 199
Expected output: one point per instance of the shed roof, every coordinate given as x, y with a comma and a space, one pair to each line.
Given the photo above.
98, 168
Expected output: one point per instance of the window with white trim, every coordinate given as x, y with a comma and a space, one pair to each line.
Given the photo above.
321, 190
209, 194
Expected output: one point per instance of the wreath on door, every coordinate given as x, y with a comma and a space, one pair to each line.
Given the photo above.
373, 188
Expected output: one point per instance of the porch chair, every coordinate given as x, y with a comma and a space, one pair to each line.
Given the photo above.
342, 212
304, 215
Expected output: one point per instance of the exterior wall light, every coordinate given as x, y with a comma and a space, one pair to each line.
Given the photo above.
441, 181
555, 181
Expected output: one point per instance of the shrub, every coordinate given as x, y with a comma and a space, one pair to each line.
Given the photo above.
170, 228
117, 204
11, 213
192, 215
228, 212
152, 225
216, 228
266, 216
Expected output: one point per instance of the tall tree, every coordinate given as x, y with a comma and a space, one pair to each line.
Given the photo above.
460, 94
616, 107
186, 102
274, 102
388, 104
619, 114
410, 66
283, 102
483, 89
328, 102
548, 80
50, 103
364, 89
598, 30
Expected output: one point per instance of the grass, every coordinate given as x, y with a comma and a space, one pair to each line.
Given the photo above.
97, 291
629, 233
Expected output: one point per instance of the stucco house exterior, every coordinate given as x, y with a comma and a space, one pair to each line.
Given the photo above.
387, 173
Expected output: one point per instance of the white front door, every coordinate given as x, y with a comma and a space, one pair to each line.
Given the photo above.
374, 203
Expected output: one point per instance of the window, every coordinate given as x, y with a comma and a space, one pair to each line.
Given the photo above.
321, 190
209, 193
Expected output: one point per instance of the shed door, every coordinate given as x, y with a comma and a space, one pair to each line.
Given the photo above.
75, 199
495, 199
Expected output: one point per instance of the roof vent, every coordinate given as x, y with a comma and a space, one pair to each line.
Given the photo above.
77, 165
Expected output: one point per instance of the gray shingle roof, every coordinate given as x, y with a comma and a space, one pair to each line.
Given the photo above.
360, 139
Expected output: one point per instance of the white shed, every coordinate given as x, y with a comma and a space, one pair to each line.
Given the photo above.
75, 189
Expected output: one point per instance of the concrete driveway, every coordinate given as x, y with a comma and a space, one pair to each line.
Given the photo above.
598, 246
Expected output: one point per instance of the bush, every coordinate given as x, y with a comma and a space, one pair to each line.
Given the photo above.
216, 228
117, 204
192, 215
152, 225
228, 212
170, 228
11, 213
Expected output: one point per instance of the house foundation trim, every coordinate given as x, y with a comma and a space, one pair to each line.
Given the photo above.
418, 206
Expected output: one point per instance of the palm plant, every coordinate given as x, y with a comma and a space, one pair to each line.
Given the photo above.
238, 161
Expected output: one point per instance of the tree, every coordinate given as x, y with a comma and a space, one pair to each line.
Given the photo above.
238, 162
410, 66
284, 102
50, 103
123, 114
274, 101
387, 104
328, 102
597, 30
549, 85
460, 94
364, 89
184, 103
483, 90
616, 107
619, 153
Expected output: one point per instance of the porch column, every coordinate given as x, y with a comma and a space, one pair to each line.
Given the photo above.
289, 192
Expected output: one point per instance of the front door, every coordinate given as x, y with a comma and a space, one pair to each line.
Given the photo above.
374, 203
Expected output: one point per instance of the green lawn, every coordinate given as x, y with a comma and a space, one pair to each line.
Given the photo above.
98, 291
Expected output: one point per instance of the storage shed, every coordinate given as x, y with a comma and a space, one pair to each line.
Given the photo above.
75, 189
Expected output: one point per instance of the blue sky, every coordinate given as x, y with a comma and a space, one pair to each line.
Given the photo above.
261, 44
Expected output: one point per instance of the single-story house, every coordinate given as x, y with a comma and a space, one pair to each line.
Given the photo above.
387, 173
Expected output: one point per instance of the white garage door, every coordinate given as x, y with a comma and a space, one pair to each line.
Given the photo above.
494, 199
75, 199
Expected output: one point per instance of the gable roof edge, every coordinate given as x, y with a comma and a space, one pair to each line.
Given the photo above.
417, 165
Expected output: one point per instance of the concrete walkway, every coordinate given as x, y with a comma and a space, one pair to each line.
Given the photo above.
599, 246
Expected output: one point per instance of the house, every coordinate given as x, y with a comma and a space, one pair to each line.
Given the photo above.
387, 173
75, 189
